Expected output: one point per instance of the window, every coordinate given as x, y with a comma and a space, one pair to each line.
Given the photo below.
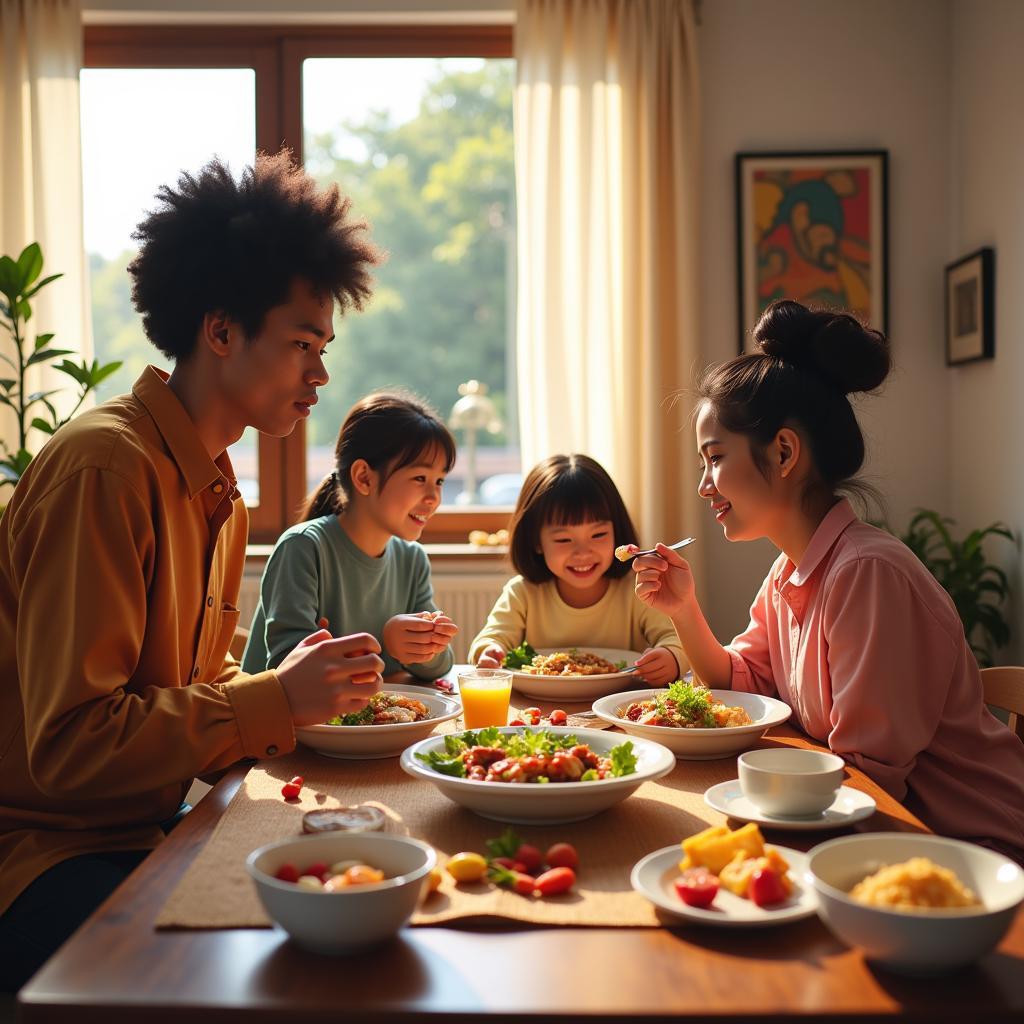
415, 125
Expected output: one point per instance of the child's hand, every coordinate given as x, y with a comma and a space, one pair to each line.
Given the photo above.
657, 666
492, 656
323, 677
411, 639
664, 581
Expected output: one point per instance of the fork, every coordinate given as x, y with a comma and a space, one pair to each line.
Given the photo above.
628, 556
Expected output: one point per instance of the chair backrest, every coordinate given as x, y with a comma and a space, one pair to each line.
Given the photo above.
237, 646
1004, 688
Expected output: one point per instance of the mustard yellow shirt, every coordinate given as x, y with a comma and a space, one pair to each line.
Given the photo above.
537, 613
121, 555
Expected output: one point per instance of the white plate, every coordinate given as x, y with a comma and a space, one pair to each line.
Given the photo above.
372, 741
850, 805
576, 688
653, 877
552, 804
699, 744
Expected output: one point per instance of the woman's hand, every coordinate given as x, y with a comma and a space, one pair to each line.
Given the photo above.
657, 666
664, 581
492, 656
416, 638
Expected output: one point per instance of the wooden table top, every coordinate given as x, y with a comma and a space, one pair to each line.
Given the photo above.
117, 967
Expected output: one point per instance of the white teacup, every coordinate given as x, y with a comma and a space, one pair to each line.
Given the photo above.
789, 782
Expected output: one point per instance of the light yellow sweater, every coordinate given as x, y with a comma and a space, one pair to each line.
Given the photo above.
537, 613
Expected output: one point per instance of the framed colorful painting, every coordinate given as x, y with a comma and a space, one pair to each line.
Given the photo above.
812, 227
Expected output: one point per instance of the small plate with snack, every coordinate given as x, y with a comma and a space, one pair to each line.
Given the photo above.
695, 723
727, 879
392, 720
570, 673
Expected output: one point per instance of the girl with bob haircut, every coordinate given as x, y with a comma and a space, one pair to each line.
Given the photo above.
571, 591
353, 560
848, 628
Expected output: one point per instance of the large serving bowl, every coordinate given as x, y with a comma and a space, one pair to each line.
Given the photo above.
573, 689
371, 741
698, 744
555, 803
915, 942
350, 919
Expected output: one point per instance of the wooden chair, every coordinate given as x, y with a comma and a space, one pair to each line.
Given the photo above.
238, 641
1004, 689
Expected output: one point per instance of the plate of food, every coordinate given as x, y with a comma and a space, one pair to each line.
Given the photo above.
727, 879
392, 720
570, 673
536, 776
695, 723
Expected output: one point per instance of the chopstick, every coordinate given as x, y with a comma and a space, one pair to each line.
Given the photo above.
624, 555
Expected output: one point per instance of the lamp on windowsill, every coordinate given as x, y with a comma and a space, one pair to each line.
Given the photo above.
474, 411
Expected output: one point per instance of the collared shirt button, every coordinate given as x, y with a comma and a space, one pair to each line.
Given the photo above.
209, 602
218, 487
271, 750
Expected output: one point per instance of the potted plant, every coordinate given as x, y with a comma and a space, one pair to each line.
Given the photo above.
19, 283
978, 588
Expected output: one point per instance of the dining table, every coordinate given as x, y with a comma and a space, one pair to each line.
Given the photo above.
120, 967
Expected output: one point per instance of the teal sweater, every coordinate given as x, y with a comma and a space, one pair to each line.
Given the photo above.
316, 571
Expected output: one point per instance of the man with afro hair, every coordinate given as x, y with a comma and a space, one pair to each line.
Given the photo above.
121, 552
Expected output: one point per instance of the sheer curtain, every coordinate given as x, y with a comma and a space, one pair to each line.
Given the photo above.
606, 122
41, 173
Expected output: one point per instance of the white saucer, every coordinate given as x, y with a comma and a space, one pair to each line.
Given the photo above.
653, 877
850, 805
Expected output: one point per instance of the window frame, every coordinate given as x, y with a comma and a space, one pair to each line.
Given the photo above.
276, 54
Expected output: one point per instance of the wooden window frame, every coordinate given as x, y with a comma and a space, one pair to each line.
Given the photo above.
276, 54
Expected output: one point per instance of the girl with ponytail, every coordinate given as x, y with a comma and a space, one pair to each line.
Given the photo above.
848, 628
353, 560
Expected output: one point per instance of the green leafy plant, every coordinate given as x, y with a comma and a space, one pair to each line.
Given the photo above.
19, 283
977, 587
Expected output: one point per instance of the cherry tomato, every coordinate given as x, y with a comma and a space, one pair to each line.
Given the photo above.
517, 721
697, 887
766, 887
555, 881
504, 862
529, 857
562, 855
558, 717
291, 790
319, 870
467, 867
520, 882
287, 873
532, 715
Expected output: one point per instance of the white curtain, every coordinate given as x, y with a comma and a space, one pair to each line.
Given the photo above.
606, 125
41, 174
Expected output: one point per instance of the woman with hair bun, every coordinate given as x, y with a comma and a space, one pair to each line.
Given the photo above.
848, 628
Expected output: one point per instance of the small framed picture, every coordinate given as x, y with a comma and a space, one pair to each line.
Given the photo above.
970, 308
812, 227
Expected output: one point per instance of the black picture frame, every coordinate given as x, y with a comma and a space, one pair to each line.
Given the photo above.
865, 260
970, 308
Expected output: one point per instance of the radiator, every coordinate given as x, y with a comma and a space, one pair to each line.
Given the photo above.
466, 598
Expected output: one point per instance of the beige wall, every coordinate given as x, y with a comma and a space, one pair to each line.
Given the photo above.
987, 398
837, 74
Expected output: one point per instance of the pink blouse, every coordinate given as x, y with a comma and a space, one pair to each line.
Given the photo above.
868, 650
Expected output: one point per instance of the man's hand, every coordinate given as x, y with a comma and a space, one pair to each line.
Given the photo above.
323, 677
657, 666
412, 639
492, 656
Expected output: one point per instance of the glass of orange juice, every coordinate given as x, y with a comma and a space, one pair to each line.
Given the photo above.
485, 695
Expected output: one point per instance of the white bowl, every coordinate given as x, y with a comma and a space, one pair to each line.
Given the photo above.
354, 918
555, 803
370, 741
576, 688
915, 942
789, 782
699, 744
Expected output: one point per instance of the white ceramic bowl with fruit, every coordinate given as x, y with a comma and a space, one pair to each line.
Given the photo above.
346, 919
922, 941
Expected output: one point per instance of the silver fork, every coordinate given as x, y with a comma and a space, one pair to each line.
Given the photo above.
630, 555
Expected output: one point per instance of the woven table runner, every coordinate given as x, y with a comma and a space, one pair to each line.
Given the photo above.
216, 891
